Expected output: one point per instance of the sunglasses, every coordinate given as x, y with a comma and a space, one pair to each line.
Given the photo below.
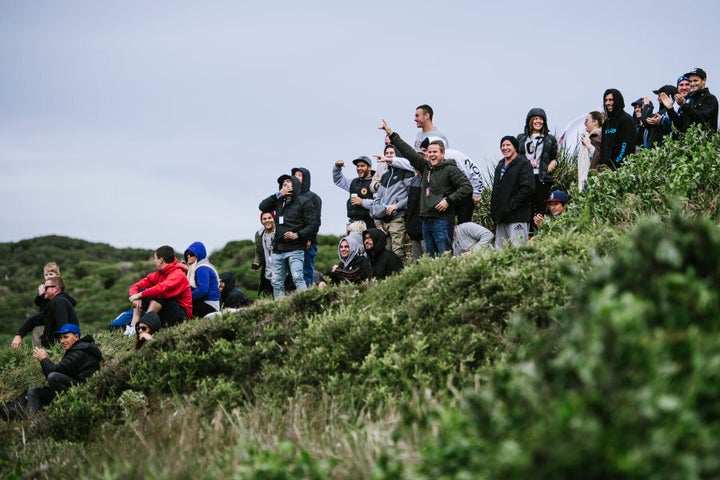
49, 286
143, 328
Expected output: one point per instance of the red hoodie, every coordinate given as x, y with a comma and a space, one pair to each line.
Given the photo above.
170, 282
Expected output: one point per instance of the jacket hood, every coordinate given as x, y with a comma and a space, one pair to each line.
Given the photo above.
67, 297
172, 266
197, 249
536, 112
297, 188
306, 178
87, 343
354, 243
229, 279
618, 101
379, 240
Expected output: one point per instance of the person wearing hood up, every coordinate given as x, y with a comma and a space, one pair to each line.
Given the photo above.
541, 148
618, 131
230, 295
303, 174
353, 266
81, 359
59, 309
146, 328
295, 224
165, 291
383, 262
203, 279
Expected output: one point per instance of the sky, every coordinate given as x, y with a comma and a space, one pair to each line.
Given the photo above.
145, 123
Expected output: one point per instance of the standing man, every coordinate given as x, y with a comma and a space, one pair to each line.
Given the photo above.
443, 186
166, 291
700, 106
295, 224
512, 194
618, 130
303, 174
360, 188
424, 121
81, 359
390, 204
59, 309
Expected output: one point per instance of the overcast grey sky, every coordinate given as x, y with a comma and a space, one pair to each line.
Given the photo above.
142, 123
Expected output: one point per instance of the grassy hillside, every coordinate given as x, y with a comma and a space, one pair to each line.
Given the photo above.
591, 352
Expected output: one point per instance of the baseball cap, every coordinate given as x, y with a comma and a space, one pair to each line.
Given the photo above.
669, 90
639, 102
68, 328
558, 196
363, 158
681, 78
426, 143
697, 71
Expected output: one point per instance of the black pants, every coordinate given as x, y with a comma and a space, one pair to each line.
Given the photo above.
171, 312
33, 399
464, 210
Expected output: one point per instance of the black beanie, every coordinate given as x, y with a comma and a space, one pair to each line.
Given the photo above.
512, 140
152, 320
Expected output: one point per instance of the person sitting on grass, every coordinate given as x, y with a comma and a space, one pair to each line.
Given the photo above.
557, 203
81, 359
146, 327
354, 266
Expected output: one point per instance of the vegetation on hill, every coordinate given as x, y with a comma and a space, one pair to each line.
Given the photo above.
591, 352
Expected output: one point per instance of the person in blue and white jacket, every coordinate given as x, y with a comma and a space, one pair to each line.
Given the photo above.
204, 280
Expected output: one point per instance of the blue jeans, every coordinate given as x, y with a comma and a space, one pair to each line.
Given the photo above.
295, 260
438, 234
309, 264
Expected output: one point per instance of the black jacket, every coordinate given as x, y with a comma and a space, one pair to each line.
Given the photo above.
700, 107
511, 200
56, 313
618, 132
550, 145
231, 296
384, 262
79, 361
292, 214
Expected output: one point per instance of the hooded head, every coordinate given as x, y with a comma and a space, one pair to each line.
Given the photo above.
152, 320
379, 240
618, 102
305, 178
354, 243
295, 182
197, 249
536, 112
229, 280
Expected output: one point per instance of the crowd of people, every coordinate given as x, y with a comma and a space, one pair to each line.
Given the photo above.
419, 201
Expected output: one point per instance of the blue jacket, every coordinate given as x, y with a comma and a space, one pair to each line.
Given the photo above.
206, 277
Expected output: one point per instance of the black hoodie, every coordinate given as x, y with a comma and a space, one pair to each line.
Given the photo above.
384, 262
314, 197
79, 361
294, 213
56, 313
230, 296
618, 132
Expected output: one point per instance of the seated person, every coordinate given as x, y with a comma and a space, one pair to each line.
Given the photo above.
353, 267
81, 359
470, 236
557, 203
59, 309
204, 281
165, 292
383, 262
231, 296
146, 327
